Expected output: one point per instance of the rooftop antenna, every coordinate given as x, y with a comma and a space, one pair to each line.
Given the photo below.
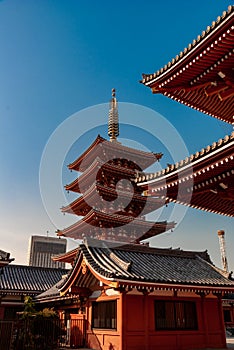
113, 121
221, 234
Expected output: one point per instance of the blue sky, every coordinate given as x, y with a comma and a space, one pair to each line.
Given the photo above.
59, 57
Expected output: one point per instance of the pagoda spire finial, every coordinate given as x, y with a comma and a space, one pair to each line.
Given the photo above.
113, 121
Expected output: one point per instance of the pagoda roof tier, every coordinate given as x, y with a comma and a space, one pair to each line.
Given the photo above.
201, 77
96, 221
93, 173
205, 180
107, 150
96, 192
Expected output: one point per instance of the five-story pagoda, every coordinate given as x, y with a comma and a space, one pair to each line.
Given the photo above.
112, 206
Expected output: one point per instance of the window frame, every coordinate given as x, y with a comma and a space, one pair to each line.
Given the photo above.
175, 315
107, 308
227, 315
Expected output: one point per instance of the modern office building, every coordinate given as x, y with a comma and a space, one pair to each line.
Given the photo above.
43, 248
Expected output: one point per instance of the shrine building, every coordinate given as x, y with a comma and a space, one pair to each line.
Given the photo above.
201, 77
122, 293
128, 295
18, 281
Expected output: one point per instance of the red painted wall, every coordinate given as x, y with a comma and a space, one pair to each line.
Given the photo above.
136, 326
1, 312
140, 332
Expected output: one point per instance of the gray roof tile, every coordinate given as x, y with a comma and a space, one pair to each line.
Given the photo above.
21, 279
136, 263
154, 265
52, 292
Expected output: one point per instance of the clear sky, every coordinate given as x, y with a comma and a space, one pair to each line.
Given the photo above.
59, 57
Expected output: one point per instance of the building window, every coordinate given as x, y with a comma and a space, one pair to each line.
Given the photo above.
104, 314
175, 315
227, 316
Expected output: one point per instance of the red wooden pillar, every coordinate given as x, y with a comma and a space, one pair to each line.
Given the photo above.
146, 318
232, 313
1, 311
221, 318
204, 317
123, 316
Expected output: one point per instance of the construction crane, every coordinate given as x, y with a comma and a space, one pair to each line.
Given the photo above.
221, 234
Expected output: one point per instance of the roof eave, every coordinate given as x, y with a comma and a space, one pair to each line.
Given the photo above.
202, 40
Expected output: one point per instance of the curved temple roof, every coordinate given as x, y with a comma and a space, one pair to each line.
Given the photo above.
91, 174
96, 192
201, 76
205, 180
126, 266
100, 148
28, 280
137, 228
